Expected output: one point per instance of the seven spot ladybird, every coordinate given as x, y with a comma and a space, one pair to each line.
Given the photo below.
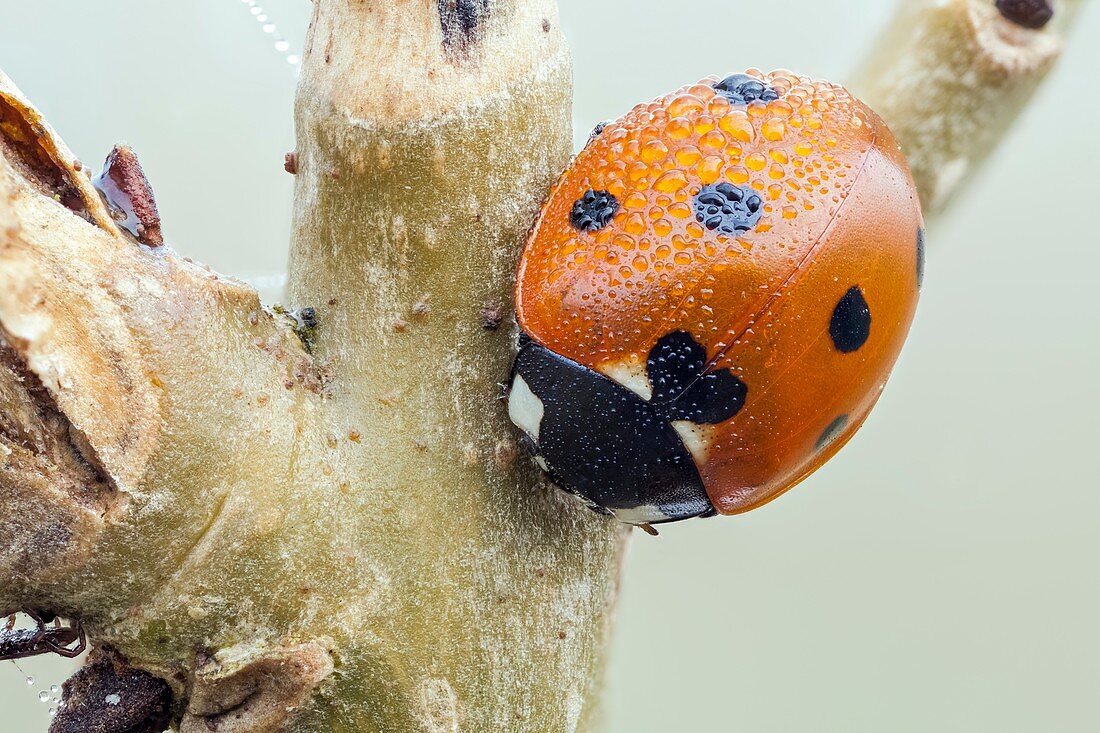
713, 296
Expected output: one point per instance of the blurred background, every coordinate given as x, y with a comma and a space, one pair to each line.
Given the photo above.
939, 574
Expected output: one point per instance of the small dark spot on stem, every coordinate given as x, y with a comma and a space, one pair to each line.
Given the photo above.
545, 25
491, 316
461, 21
290, 163
1032, 14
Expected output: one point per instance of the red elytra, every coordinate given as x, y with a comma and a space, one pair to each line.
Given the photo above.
808, 302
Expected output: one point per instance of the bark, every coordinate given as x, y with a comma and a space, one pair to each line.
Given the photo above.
951, 76
339, 540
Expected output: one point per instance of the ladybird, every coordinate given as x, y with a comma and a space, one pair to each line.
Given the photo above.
713, 295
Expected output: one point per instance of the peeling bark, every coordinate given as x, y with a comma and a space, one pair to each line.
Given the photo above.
107, 695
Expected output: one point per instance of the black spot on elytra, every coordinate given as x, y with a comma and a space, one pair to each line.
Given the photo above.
920, 257
597, 130
682, 390
851, 322
743, 89
593, 210
728, 208
1029, 13
460, 21
832, 431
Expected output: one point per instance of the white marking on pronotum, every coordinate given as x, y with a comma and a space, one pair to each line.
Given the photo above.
631, 376
524, 408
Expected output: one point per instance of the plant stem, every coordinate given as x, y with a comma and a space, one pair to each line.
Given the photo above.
421, 162
950, 77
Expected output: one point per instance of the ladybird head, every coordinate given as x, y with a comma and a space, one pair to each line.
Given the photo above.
757, 231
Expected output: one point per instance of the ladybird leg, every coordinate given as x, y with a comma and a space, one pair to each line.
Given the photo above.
62, 643
40, 630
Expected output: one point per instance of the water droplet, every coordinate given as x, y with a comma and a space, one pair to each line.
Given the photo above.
30, 681
672, 181
292, 59
55, 689
282, 46
43, 696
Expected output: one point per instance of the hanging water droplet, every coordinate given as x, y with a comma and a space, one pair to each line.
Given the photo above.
30, 681
270, 28
53, 712
55, 689
43, 696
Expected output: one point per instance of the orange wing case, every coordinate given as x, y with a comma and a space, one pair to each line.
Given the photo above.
808, 308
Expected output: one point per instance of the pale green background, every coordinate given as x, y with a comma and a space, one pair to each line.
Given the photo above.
938, 575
